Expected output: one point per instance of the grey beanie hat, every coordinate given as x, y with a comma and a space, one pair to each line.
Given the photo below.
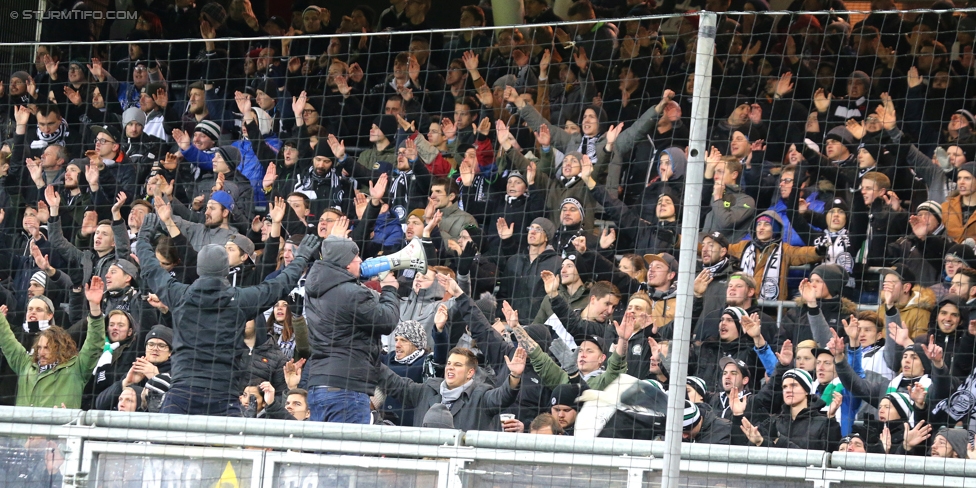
212, 262
339, 251
957, 438
133, 114
438, 416
547, 227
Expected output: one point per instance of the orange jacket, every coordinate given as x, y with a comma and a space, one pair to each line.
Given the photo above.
792, 256
952, 219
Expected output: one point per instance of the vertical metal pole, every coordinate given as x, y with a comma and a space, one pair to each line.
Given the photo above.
694, 177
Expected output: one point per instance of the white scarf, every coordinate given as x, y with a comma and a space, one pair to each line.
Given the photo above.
409, 358
769, 286
564, 349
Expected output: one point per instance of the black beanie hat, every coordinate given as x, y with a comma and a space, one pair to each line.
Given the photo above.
834, 277
566, 394
387, 125
325, 150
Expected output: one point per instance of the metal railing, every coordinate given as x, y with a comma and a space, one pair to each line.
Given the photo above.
99, 447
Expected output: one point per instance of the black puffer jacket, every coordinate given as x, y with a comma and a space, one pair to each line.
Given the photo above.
345, 322
267, 360
521, 284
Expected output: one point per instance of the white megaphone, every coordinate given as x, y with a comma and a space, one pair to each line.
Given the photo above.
410, 257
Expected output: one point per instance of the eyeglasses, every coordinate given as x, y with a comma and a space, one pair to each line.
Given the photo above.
308, 111
74, 68
159, 346
786, 180
100, 141
534, 228
139, 68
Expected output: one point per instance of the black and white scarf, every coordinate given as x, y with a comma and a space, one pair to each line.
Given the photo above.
769, 286
838, 246
588, 146
961, 405
287, 347
56, 137
46, 368
715, 267
409, 358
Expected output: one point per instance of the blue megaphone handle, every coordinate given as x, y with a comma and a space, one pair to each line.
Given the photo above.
374, 266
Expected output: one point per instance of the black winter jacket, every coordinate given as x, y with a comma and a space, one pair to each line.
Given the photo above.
345, 322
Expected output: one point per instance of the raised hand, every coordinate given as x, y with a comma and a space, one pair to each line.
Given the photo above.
505, 230
484, 127
821, 100
752, 432
738, 402
432, 224
625, 328
73, 96
161, 98
413, 68
836, 399
511, 315
543, 136
440, 317
53, 199
751, 325
243, 103
701, 282
277, 210
341, 227
785, 84
900, 333
916, 435
298, 105
293, 372
612, 133
35, 170
269, 392
914, 79
808, 293
181, 138
407, 126
755, 113
501, 132
360, 202
579, 243
117, 206
544, 63
338, 147
88, 223
96, 69
448, 128
933, 351
836, 346
449, 284
40, 260
516, 365
785, 354
608, 237
470, 60
917, 394
586, 168
551, 282
270, 175
94, 292
378, 190
855, 128
580, 58
665, 99
850, 328
22, 114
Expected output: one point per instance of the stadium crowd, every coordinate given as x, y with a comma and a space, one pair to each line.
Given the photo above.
185, 223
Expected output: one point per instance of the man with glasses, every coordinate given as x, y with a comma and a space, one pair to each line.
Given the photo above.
109, 171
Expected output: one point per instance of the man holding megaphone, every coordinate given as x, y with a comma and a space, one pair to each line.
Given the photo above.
345, 321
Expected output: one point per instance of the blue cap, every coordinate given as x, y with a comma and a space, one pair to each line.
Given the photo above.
223, 198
